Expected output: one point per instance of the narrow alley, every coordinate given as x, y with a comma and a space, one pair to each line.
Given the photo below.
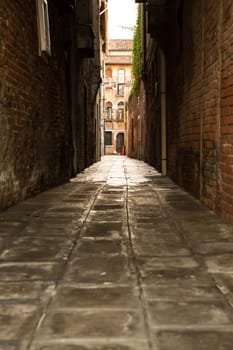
119, 258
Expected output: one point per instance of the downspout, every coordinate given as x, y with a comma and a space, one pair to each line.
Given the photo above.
202, 102
163, 114
73, 87
73, 82
103, 99
143, 102
71, 71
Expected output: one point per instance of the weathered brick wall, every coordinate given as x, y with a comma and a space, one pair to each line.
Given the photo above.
200, 103
137, 133
133, 127
153, 105
34, 132
226, 110
210, 114
184, 91
85, 127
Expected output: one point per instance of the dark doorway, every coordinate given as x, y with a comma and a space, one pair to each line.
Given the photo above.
120, 142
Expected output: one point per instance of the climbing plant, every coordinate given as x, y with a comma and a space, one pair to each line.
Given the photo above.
137, 47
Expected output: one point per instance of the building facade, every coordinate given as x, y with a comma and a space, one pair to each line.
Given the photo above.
136, 137
116, 86
49, 85
187, 75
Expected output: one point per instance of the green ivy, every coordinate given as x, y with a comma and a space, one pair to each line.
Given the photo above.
137, 48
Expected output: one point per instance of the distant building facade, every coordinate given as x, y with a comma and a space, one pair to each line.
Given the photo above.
116, 86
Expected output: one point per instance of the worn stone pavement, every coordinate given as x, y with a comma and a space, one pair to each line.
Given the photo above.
120, 258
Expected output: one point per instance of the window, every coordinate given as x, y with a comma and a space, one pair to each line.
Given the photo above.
109, 113
121, 76
120, 111
120, 89
108, 138
43, 27
108, 110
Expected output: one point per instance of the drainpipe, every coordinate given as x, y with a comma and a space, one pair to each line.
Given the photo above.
73, 91
70, 45
163, 114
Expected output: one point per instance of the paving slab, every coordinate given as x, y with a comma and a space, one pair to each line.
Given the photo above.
98, 269
202, 231
111, 296
135, 345
71, 323
100, 246
118, 258
214, 248
224, 281
15, 346
166, 262
220, 263
162, 249
183, 291
10, 229
157, 233
184, 314
55, 231
175, 276
109, 215
20, 271
17, 320
36, 253
194, 340
22, 291
103, 229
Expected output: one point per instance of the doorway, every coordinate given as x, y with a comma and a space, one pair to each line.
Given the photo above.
120, 143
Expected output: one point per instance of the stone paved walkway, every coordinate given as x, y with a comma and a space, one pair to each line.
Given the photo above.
120, 258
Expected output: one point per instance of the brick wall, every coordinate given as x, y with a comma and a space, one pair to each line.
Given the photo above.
184, 93
226, 110
153, 106
133, 127
34, 133
196, 37
200, 102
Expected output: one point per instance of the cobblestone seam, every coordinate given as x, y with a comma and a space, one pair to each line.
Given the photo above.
138, 277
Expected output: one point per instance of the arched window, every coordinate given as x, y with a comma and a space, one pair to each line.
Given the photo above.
121, 76
108, 110
121, 82
120, 111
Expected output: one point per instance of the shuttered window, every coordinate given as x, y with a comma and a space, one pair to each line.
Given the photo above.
43, 27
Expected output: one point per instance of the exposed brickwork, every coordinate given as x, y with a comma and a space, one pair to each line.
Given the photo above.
33, 108
48, 114
137, 134
133, 127
226, 131
195, 121
199, 94
184, 91
153, 104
